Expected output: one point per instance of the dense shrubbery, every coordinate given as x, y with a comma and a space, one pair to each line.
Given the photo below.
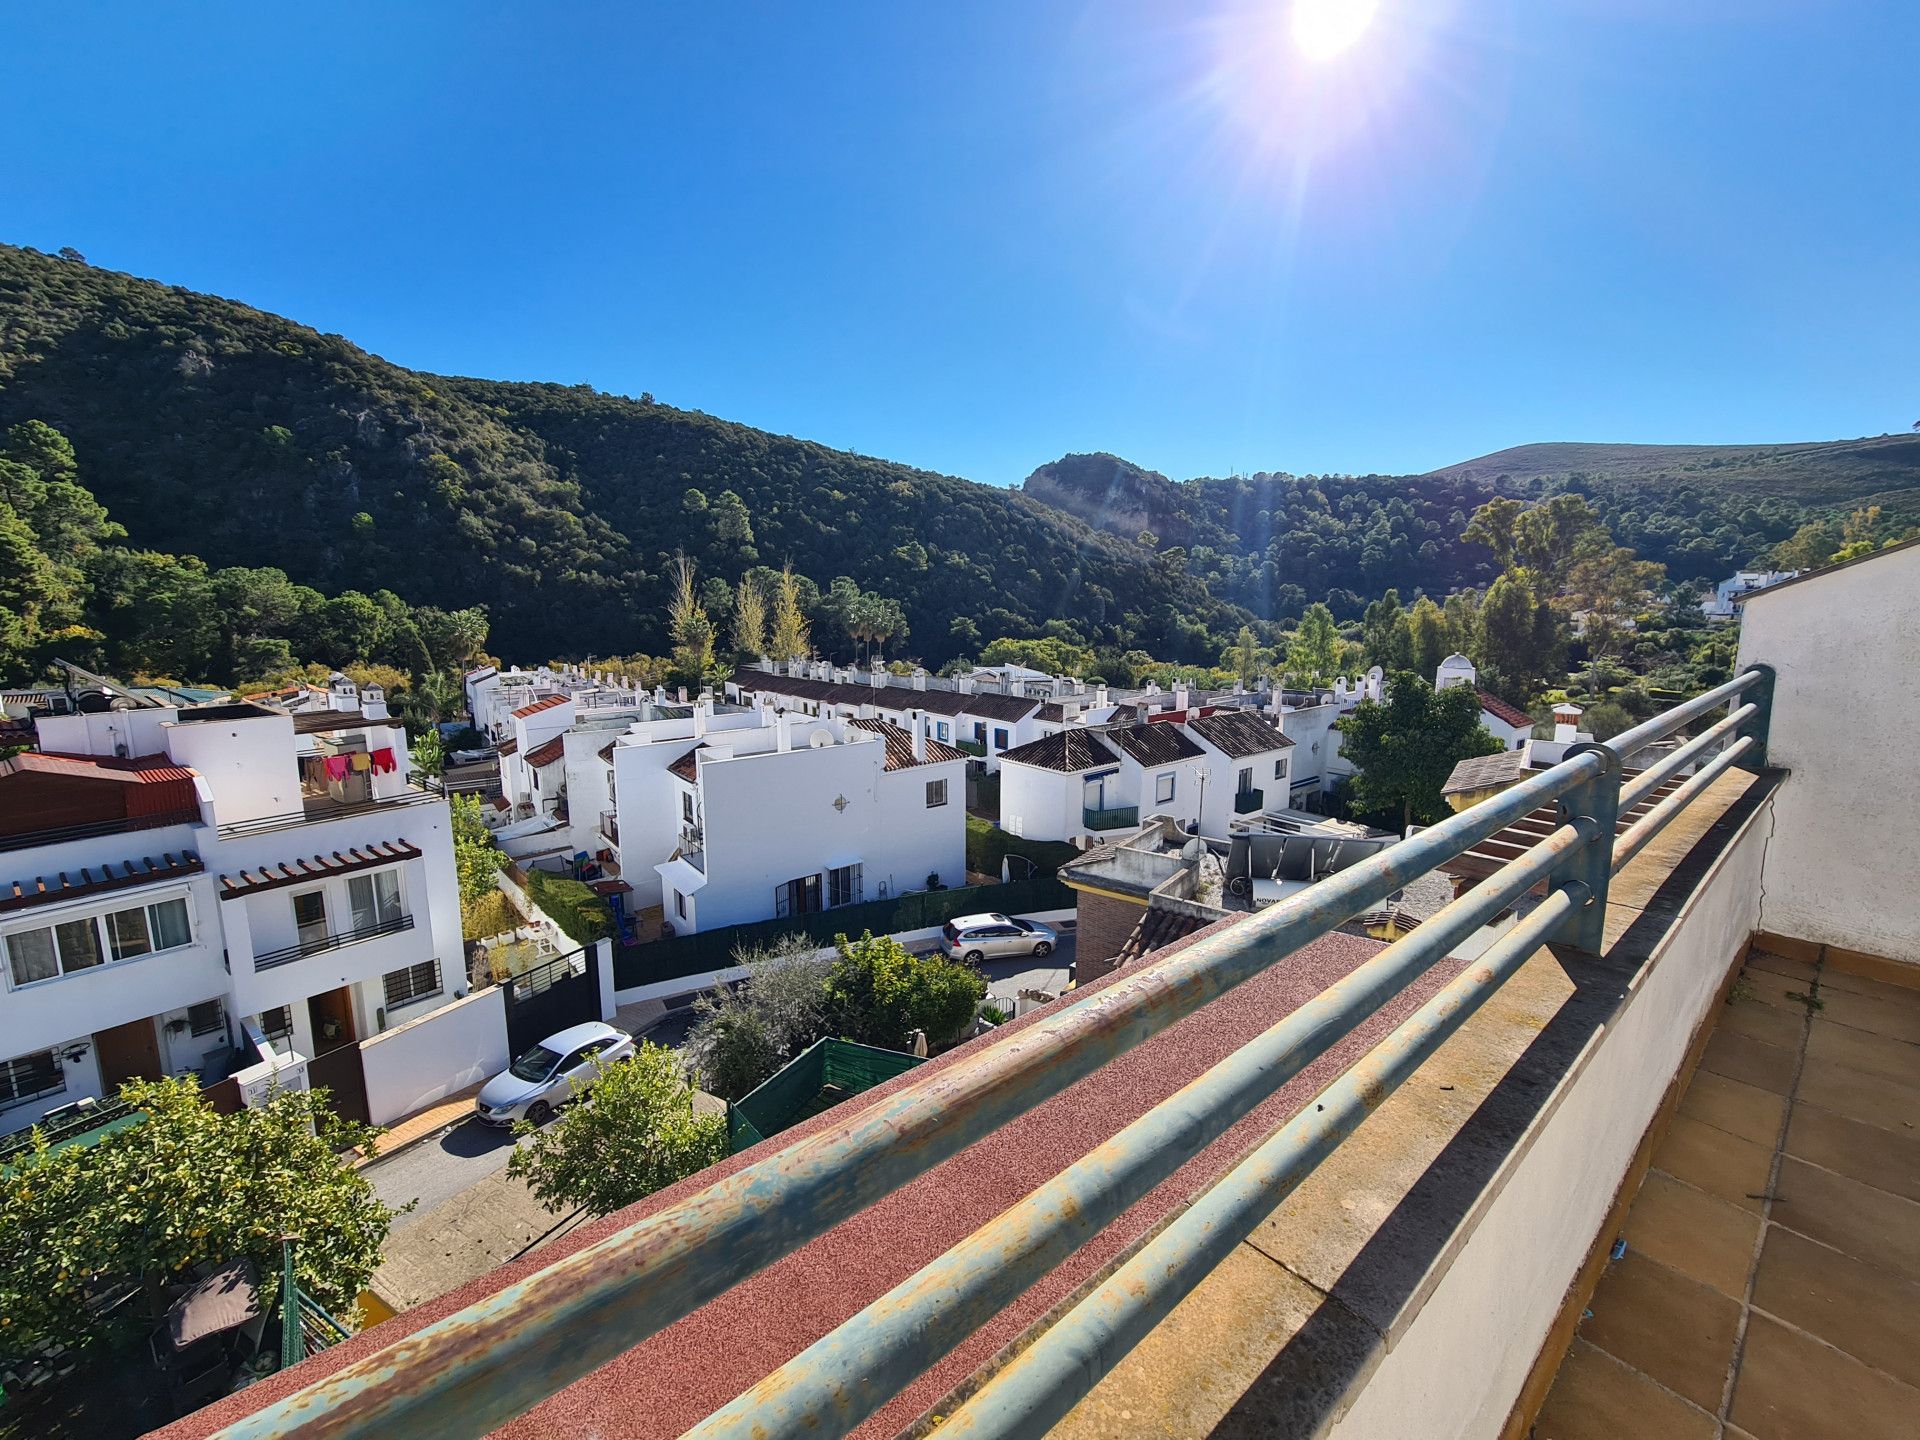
572, 905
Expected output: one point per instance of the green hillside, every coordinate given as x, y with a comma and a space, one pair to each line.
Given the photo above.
211, 428
1880, 469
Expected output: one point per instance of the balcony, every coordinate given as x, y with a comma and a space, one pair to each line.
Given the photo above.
321, 945
610, 827
1119, 817
1224, 1259
421, 790
59, 834
1245, 802
693, 848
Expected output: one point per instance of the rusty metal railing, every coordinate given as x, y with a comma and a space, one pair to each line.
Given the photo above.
473, 1370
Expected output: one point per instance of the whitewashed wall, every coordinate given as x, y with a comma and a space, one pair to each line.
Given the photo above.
1846, 850
428, 1059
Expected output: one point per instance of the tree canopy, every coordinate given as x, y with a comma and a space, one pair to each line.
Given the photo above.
1407, 745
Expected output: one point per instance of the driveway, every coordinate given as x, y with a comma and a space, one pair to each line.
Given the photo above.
1008, 977
434, 1171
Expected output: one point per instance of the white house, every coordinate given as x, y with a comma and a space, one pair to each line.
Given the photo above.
1247, 767
172, 878
1724, 604
730, 816
1508, 724
961, 712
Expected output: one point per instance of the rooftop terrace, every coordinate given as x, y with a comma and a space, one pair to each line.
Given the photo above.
1278, 1180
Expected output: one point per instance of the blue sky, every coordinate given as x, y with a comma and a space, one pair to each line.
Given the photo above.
973, 237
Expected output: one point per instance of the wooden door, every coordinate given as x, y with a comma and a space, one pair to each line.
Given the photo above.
128, 1052
331, 1009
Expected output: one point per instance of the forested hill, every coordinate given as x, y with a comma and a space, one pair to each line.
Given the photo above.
210, 428
1878, 470
1272, 542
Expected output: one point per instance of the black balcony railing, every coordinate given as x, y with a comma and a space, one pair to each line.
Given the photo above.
58, 834
321, 944
325, 807
1247, 801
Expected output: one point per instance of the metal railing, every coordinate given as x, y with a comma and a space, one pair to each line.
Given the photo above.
1118, 817
610, 826
1245, 801
324, 807
321, 944
478, 1368
59, 834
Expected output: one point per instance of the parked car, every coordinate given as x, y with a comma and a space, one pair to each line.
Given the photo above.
986, 937
560, 1068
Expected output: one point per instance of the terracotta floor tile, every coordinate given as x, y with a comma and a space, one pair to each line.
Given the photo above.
1867, 1098
1774, 989
1878, 1157
1860, 1308
1595, 1397
1780, 965
1712, 1160
1792, 1387
1898, 1020
1775, 1024
1866, 1223
1753, 1063
1871, 976
1738, 1108
1676, 1330
1688, 1230
1864, 1051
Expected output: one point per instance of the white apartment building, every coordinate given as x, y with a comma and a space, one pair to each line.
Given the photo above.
728, 817
172, 879
1508, 724
962, 712
1723, 605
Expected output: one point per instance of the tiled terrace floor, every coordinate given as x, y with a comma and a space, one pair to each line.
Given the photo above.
1770, 1284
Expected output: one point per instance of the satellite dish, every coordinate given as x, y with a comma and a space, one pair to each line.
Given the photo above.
1192, 851
820, 740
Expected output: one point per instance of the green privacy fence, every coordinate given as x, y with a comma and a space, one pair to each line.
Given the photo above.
922, 910
818, 1078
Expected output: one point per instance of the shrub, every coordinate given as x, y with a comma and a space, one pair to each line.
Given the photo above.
880, 993
988, 845
571, 904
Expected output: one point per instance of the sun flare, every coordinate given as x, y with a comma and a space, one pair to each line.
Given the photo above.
1324, 28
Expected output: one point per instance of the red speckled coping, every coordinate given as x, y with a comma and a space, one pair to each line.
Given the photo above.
677, 1377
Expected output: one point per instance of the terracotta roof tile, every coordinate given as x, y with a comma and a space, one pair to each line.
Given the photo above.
900, 746
546, 754
1156, 930
537, 706
686, 767
1155, 744
1068, 752
1501, 710
139, 770
1239, 733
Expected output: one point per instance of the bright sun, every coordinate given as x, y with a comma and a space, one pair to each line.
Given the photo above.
1324, 28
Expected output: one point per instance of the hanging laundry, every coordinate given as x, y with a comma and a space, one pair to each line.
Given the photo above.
361, 762
383, 761
336, 767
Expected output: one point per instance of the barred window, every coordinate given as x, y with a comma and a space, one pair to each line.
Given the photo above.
415, 982
936, 794
26, 1077
843, 886
277, 1023
209, 1017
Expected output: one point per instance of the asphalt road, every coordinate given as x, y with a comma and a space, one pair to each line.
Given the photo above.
436, 1170
439, 1169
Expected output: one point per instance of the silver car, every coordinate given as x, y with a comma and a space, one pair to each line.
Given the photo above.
982, 937
560, 1068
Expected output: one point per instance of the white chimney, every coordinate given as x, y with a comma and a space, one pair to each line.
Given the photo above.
702, 713
919, 678
919, 735
878, 679
783, 734
1566, 723
1180, 693
1099, 697
963, 684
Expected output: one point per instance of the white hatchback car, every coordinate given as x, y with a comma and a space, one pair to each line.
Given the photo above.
989, 936
560, 1068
